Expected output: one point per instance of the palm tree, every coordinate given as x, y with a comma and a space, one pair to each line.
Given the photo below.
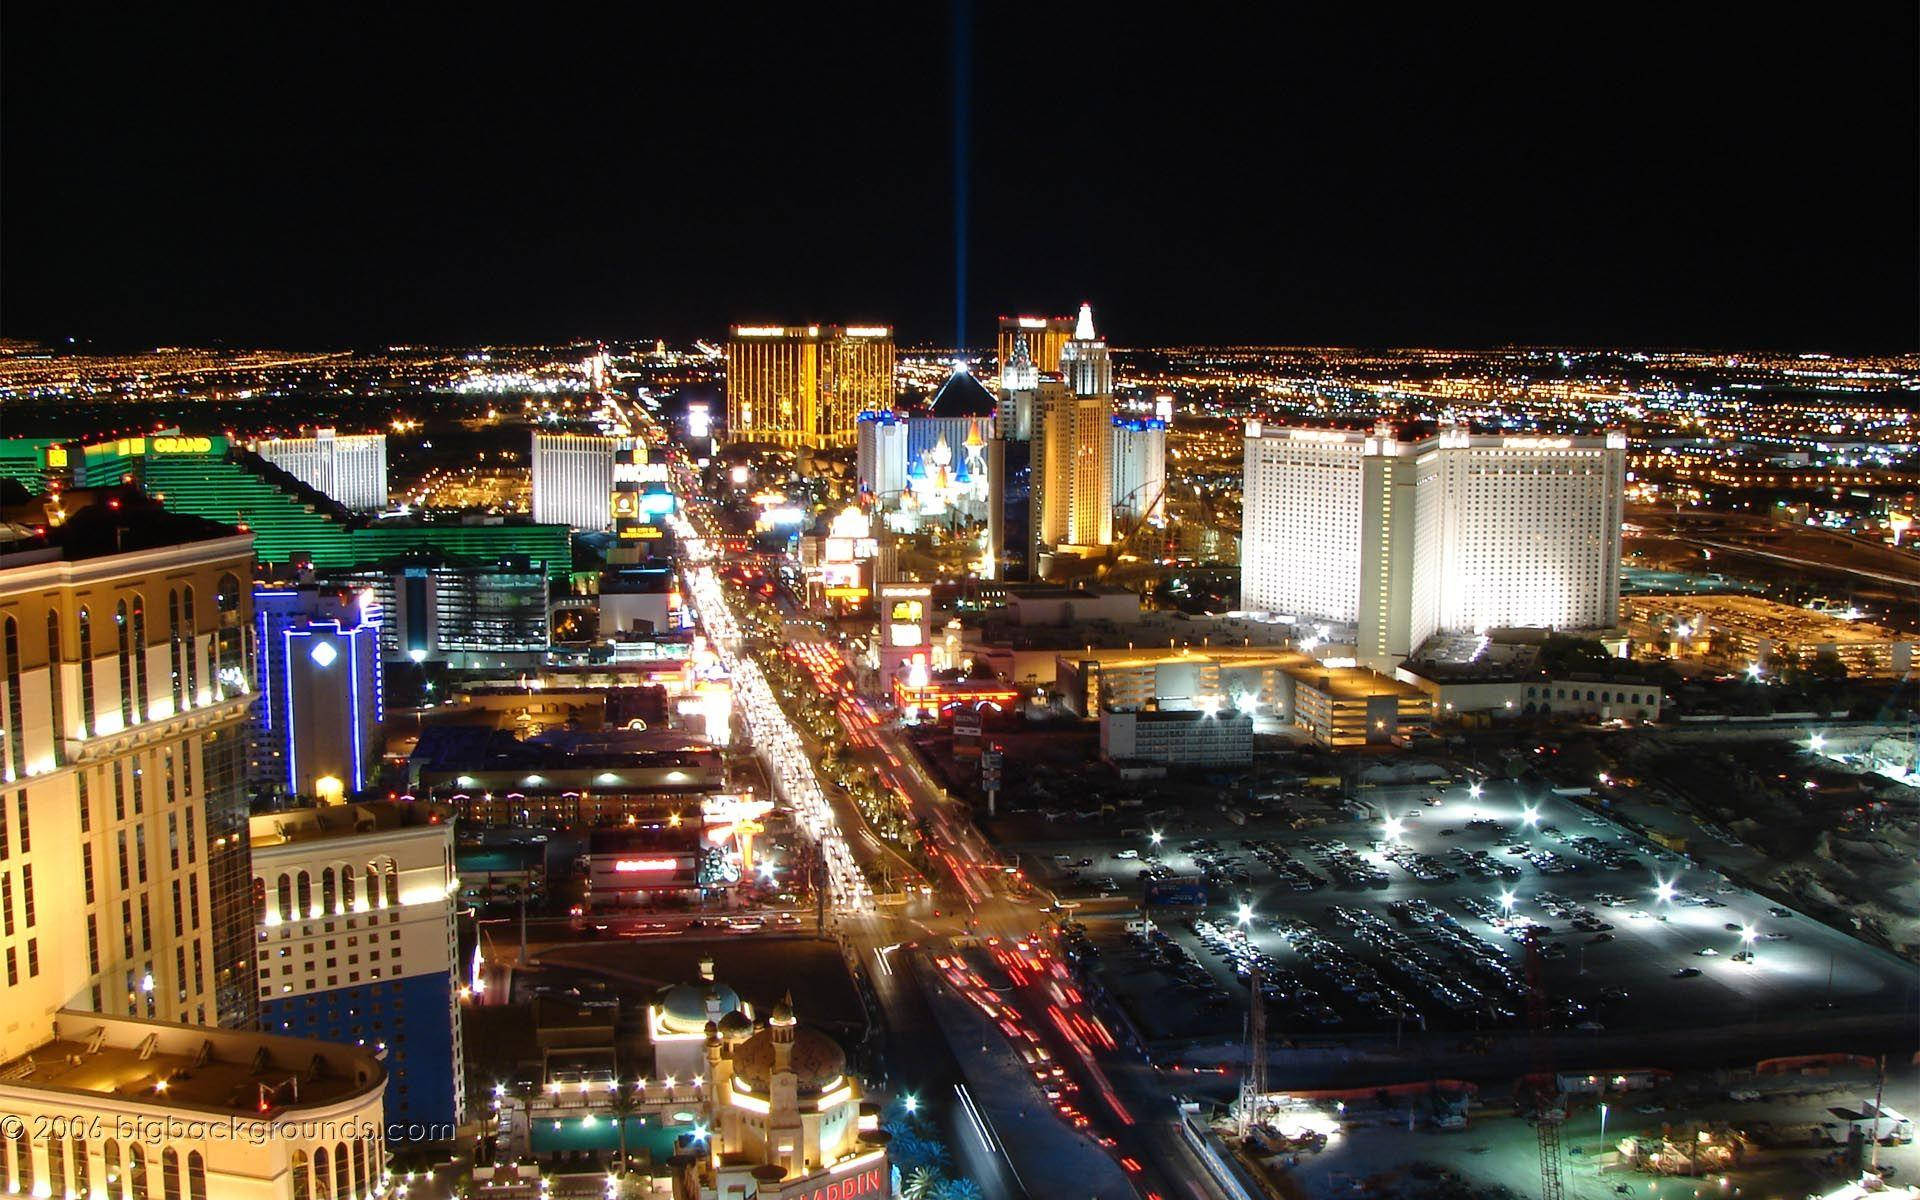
959, 1189
622, 1104
921, 1183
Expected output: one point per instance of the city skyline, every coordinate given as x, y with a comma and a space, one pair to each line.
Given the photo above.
1317, 182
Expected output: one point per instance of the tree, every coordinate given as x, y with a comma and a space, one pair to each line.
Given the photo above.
959, 1189
920, 1184
622, 1104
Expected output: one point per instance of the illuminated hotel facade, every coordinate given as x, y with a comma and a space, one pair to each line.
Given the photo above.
1453, 532
1044, 336
355, 942
806, 385
573, 480
128, 676
352, 469
1072, 472
316, 729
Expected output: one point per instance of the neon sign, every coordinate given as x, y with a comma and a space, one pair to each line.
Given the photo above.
631, 865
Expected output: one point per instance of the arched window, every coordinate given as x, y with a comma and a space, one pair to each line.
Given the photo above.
190, 645
57, 1164
360, 1166
1589, 693
342, 1180
259, 900
141, 694
1532, 692
393, 883
137, 1172
23, 1160
82, 1168
322, 1171
125, 662
196, 1176
111, 1168
326, 891
303, 892
170, 1173
56, 691
373, 886
300, 1189
229, 665
86, 673
286, 897
1606, 697
16, 704
346, 888
179, 678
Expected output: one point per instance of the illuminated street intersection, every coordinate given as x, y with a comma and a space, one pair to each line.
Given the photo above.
774, 737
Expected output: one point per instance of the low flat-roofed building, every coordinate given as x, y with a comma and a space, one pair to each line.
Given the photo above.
1741, 632
1186, 737
1348, 707
1242, 676
119, 1105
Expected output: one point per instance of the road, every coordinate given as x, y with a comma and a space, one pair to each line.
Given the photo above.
973, 896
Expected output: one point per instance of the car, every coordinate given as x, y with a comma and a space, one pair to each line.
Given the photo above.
1706, 952
1687, 973
1446, 833
1597, 938
1733, 927
1127, 854
1777, 911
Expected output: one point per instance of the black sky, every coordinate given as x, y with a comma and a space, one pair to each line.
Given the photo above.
1667, 175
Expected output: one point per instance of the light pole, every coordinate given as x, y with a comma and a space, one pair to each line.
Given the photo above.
1603, 1126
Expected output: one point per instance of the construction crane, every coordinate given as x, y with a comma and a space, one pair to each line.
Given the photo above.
1253, 1085
1124, 541
1540, 1086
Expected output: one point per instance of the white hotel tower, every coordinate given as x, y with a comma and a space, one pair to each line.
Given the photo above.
1453, 532
573, 480
350, 469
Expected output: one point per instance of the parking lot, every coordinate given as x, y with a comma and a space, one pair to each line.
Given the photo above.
1415, 917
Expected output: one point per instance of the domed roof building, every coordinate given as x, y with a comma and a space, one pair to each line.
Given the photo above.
677, 1022
790, 1116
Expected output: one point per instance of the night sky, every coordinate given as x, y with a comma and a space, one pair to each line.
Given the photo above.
1672, 175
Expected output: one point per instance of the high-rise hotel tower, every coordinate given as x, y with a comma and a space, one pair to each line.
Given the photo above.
1454, 532
806, 385
1073, 446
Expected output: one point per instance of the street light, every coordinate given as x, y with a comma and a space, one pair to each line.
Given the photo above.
1530, 815
1747, 935
1393, 828
1475, 790
1603, 1124
912, 1103
1246, 913
1156, 837
1664, 893
1817, 742
1506, 903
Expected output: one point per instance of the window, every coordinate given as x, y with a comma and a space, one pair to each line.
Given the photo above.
303, 891
86, 673
13, 968
196, 1165
173, 841
86, 802
26, 894
16, 708
326, 891
146, 923
140, 656
33, 958
285, 896
124, 662
140, 851
190, 646
93, 946
179, 913
170, 1173
6, 901
86, 871
56, 692
137, 1172
178, 676
26, 828
125, 880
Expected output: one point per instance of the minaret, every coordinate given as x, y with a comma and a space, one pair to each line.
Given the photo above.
783, 1093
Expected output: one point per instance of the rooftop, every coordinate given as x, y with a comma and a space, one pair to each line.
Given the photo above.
342, 820
1768, 618
1354, 683
96, 522
192, 1066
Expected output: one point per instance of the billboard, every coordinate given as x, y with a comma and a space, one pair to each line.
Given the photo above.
1185, 892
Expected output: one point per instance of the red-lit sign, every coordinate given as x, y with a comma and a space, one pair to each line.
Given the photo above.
866, 1183
627, 865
